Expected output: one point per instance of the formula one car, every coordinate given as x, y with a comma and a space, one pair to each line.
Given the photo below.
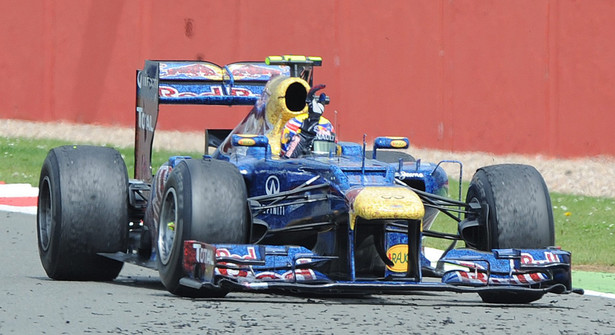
333, 218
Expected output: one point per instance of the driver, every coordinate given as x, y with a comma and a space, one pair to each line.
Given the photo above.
309, 132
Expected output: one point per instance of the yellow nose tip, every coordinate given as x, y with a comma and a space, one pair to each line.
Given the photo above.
171, 226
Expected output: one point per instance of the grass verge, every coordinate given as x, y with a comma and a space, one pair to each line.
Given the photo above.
23, 158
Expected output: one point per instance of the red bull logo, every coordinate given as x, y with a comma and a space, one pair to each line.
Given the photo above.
172, 92
196, 70
253, 71
236, 272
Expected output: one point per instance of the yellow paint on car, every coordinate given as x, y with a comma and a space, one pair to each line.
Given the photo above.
277, 113
386, 202
398, 254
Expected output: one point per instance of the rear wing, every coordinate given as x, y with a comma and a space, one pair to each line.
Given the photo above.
192, 82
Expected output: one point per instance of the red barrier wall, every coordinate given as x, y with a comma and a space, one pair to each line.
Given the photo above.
527, 76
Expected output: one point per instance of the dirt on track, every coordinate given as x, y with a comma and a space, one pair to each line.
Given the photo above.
589, 176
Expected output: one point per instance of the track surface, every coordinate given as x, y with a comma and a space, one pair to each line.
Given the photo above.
136, 303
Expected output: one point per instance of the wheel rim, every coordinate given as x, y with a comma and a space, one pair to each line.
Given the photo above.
167, 228
45, 215
482, 239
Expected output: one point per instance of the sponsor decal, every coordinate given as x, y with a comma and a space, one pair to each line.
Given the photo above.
249, 273
272, 186
398, 254
252, 71
484, 279
145, 81
238, 272
403, 175
203, 255
528, 259
188, 70
242, 92
248, 142
398, 143
324, 134
288, 276
292, 145
144, 120
172, 92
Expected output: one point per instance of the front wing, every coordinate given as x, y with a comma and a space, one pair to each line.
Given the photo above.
296, 269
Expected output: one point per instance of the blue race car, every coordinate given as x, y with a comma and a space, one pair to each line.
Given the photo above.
283, 206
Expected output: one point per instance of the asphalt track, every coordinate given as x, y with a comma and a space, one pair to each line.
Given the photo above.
137, 303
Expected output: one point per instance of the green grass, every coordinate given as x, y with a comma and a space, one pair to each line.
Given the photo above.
22, 158
583, 225
445, 224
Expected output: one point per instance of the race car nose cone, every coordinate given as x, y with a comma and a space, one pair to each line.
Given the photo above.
386, 202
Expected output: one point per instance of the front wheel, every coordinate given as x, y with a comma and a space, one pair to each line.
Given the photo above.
204, 200
506, 296
519, 213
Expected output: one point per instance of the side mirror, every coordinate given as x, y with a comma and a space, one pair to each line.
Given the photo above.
247, 140
257, 145
390, 142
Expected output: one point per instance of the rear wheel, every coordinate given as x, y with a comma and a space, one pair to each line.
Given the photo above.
204, 200
82, 211
519, 216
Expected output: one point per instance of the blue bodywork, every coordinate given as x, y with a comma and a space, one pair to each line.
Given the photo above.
339, 173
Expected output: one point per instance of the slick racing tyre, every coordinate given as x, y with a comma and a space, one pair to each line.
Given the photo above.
519, 215
204, 200
506, 296
519, 208
82, 211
